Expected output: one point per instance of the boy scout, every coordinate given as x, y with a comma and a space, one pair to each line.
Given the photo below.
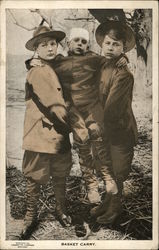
78, 75
46, 136
116, 90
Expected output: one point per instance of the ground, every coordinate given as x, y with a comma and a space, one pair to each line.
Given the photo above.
135, 221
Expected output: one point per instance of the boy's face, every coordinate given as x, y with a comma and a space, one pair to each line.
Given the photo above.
78, 46
112, 48
47, 48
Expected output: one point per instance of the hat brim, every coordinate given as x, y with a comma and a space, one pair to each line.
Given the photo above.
58, 35
108, 25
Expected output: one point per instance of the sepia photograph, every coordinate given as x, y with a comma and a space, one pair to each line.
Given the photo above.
79, 125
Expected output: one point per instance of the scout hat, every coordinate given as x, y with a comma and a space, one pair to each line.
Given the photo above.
79, 32
127, 32
42, 32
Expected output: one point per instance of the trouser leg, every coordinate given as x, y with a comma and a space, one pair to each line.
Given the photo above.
81, 137
85, 154
121, 156
87, 164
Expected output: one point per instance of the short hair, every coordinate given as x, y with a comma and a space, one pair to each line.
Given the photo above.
116, 34
40, 40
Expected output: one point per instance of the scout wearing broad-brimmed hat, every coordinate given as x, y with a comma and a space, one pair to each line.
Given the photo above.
123, 32
46, 136
116, 90
43, 32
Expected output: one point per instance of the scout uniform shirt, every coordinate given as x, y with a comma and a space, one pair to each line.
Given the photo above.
39, 132
116, 88
78, 75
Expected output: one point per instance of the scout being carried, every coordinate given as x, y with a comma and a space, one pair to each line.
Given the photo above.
78, 75
46, 135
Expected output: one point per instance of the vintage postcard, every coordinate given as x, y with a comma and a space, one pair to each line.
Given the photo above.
79, 125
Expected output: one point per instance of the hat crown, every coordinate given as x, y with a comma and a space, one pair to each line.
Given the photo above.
41, 30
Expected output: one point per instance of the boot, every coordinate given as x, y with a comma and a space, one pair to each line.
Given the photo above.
113, 211
115, 207
93, 195
30, 220
91, 184
59, 184
102, 208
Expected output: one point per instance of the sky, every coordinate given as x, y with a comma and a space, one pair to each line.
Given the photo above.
16, 36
